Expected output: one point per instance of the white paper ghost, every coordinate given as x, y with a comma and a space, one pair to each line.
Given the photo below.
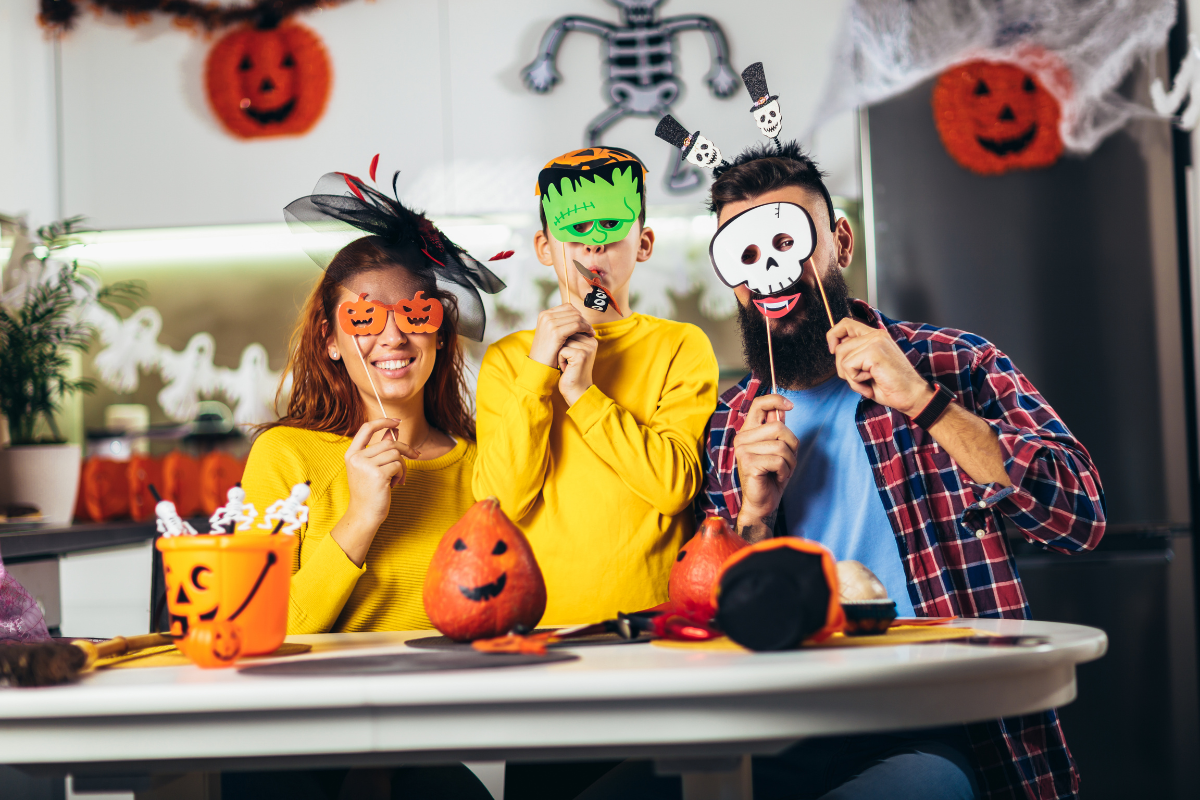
129, 345
251, 387
187, 376
764, 247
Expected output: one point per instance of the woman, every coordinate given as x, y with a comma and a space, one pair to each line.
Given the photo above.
377, 422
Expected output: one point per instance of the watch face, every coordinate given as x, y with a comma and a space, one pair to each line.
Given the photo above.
764, 247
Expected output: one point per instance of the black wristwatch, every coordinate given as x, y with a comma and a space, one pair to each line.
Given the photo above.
934, 407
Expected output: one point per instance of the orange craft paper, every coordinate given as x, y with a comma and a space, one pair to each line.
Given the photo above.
181, 483
218, 473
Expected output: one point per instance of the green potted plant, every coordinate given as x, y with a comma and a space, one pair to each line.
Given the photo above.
42, 323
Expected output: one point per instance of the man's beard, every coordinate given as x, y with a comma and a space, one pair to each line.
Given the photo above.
802, 356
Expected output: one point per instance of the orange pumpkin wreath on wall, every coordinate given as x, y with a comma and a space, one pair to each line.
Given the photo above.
270, 76
995, 116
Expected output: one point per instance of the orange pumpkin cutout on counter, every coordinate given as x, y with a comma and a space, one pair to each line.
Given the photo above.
362, 317
268, 81
243, 578
144, 471
695, 570
419, 315
483, 580
994, 117
218, 473
212, 645
181, 483
105, 489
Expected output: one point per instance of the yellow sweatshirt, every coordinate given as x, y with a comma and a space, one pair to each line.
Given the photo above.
329, 593
603, 489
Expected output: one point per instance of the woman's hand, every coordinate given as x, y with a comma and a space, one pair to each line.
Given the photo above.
371, 472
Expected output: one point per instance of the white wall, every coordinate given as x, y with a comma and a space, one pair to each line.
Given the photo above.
433, 85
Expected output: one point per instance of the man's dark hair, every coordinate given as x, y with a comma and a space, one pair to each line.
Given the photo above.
763, 168
641, 214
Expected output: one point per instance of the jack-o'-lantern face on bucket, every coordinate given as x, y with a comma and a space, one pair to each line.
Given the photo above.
193, 593
418, 315
483, 579
268, 82
993, 117
363, 317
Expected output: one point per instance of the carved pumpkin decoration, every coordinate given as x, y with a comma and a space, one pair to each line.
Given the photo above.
993, 117
218, 473
695, 570
243, 578
143, 471
268, 81
105, 489
181, 483
362, 317
483, 580
212, 645
419, 315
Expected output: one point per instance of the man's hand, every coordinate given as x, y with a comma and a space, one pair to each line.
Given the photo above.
856, 582
575, 360
554, 327
871, 362
766, 456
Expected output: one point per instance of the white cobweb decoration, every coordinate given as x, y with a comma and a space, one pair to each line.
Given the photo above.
889, 46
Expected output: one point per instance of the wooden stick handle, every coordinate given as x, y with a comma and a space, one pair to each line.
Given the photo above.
119, 646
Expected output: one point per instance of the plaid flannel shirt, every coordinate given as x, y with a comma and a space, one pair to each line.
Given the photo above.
949, 530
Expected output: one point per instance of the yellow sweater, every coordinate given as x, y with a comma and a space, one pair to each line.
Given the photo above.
329, 593
603, 489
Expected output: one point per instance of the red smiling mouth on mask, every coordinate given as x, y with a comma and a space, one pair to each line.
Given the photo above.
777, 307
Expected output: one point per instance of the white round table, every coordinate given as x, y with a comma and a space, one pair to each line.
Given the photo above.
694, 711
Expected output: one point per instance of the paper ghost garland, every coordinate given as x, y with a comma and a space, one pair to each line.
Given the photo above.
640, 67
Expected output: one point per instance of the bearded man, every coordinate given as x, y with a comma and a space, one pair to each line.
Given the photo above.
911, 449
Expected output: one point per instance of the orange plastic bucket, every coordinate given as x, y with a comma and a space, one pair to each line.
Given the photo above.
244, 577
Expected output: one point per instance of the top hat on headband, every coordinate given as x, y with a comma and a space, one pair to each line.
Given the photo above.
670, 130
756, 85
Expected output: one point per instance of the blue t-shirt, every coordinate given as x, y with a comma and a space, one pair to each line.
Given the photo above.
831, 497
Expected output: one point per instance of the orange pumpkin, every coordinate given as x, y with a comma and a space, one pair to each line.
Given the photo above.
993, 117
268, 82
695, 570
419, 315
181, 483
144, 471
218, 473
105, 489
362, 317
212, 645
483, 580
778, 593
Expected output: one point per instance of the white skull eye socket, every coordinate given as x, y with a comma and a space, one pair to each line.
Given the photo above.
763, 118
772, 115
703, 147
783, 242
751, 254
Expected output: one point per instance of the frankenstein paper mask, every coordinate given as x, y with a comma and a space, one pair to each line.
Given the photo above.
592, 196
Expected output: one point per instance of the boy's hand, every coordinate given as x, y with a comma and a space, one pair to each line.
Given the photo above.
765, 449
554, 327
575, 360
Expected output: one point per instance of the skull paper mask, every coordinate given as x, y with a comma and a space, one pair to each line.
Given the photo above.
764, 247
769, 119
704, 153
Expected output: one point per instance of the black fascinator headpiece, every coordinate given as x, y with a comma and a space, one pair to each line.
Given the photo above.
343, 208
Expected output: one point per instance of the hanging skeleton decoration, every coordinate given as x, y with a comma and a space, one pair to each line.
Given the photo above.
236, 514
1185, 88
288, 514
767, 115
640, 66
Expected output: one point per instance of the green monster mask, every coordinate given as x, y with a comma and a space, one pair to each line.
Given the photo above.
592, 196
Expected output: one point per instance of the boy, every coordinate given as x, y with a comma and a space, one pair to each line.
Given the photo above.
589, 426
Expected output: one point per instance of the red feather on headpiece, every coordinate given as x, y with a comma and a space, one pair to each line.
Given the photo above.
374, 164
353, 188
503, 254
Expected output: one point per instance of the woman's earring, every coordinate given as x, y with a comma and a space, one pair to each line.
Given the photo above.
334, 354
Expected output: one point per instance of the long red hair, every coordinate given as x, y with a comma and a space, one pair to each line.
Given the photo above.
324, 398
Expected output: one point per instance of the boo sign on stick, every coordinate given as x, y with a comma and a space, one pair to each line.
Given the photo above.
593, 195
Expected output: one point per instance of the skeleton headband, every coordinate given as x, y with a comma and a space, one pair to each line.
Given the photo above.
592, 195
765, 248
692, 146
343, 208
767, 114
